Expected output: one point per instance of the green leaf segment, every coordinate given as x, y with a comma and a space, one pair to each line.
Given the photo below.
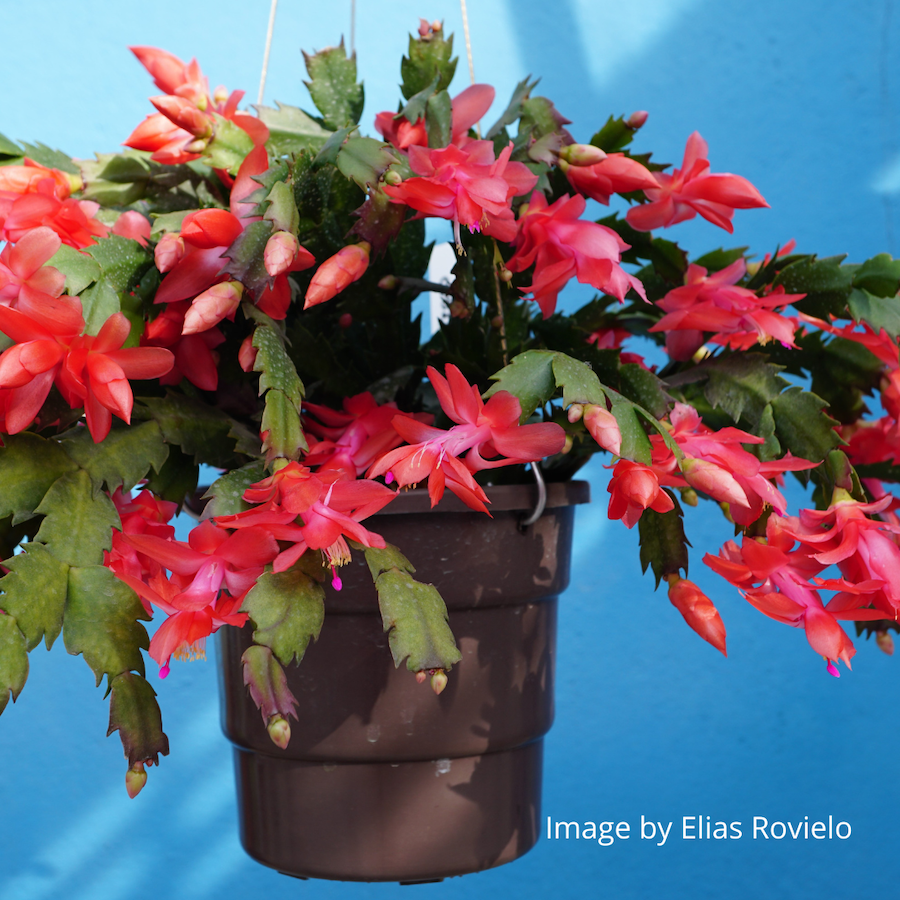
58, 584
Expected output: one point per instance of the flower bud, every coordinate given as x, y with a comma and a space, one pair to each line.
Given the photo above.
421, 676
424, 28
689, 497
281, 250
505, 275
131, 224
582, 154
389, 283
345, 321
436, 26
568, 445
885, 642
135, 779
197, 146
459, 310
168, 252
337, 273
209, 308
603, 427
247, 354
184, 114
698, 611
392, 177
576, 410
712, 479
76, 182
279, 730
439, 681
637, 119
220, 95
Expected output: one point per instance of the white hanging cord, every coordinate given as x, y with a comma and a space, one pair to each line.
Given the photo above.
465, 18
265, 65
352, 27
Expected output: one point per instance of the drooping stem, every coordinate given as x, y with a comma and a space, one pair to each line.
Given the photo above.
265, 66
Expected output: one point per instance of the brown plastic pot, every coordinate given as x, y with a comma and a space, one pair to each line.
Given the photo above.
383, 780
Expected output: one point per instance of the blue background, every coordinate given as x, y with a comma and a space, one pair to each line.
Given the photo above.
800, 98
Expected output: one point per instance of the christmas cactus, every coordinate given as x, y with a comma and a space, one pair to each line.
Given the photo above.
237, 291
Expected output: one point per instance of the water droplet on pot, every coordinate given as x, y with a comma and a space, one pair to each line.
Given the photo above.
442, 766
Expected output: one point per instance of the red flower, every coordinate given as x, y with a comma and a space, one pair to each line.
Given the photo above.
561, 245
633, 488
89, 371
298, 506
693, 189
132, 225
194, 356
185, 116
467, 108
47, 203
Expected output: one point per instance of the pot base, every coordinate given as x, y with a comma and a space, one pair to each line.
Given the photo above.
318, 820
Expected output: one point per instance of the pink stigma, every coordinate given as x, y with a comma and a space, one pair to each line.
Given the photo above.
831, 668
336, 583
164, 671
389, 478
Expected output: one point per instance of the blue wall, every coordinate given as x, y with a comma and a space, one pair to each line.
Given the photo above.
803, 99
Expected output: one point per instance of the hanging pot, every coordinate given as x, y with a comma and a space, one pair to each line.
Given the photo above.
383, 780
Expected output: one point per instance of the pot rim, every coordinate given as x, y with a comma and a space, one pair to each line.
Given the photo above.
503, 498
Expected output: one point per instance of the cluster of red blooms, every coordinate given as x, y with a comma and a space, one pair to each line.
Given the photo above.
318, 505
297, 509
782, 581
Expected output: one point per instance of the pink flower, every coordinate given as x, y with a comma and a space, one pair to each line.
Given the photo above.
617, 174
350, 441
484, 429
779, 583
693, 189
716, 463
561, 245
712, 303
466, 185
